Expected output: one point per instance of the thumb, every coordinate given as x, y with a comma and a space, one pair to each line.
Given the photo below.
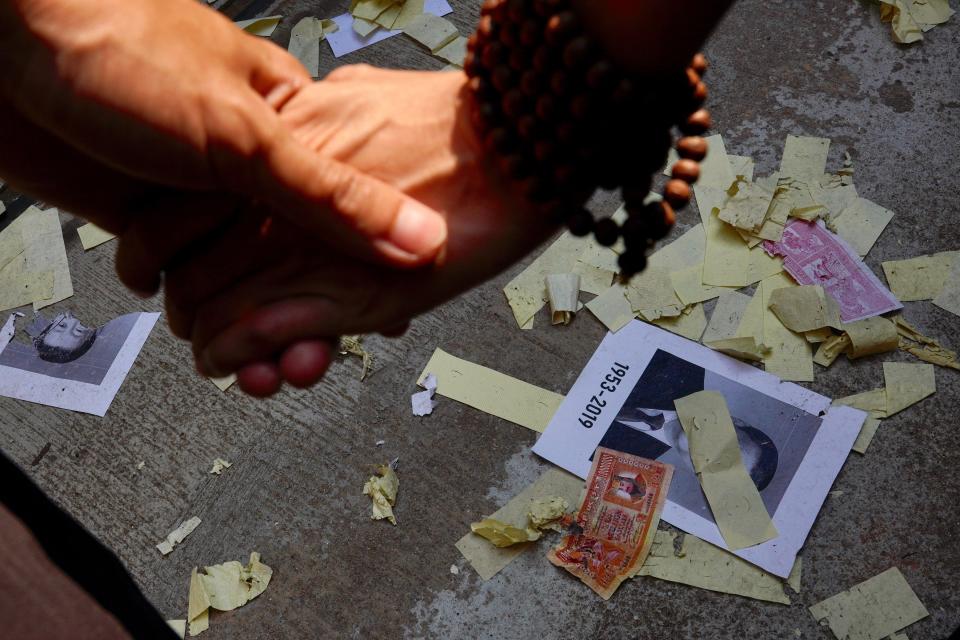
352, 211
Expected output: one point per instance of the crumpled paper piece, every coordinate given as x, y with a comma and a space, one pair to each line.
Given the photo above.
224, 587
422, 402
382, 489
927, 349
805, 308
909, 19
352, 345
563, 290
219, 464
178, 535
544, 513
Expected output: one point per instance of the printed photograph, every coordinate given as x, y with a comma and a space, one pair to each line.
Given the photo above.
773, 435
64, 347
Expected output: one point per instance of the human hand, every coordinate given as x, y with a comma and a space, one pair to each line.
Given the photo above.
124, 106
264, 303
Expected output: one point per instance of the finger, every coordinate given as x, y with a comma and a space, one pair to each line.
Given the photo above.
162, 230
260, 379
395, 331
304, 363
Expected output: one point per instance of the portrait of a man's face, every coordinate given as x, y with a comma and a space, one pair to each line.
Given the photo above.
628, 486
64, 340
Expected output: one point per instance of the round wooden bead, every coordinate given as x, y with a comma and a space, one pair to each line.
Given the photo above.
471, 64
560, 83
662, 220
581, 106
606, 231
502, 78
531, 83
697, 123
580, 222
530, 32
577, 53
518, 60
699, 95
544, 151
631, 262
514, 103
499, 140
601, 76
546, 107
545, 8
529, 127
487, 26
493, 54
567, 133
692, 77
515, 166
686, 170
472, 42
677, 193
699, 64
537, 188
543, 59
692, 147
517, 10
510, 36
560, 27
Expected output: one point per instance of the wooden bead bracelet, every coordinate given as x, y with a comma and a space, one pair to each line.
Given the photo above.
563, 120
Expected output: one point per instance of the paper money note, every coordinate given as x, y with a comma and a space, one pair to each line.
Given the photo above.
617, 520
813, 255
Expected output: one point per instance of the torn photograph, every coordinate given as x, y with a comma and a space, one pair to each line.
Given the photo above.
792, 442
70, 365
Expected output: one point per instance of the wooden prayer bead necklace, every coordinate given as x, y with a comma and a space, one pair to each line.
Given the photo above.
564, 120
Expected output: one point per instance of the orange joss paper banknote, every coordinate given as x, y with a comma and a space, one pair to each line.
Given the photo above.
617, 520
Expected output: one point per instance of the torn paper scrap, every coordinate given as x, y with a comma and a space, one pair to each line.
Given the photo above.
422, 402
793, 580
491, 391
431, 31
527, 292
454, 51
790, 356
179, 627
178, 535
861, 224
44, 251
867, 432
616, 522
219, 464
702, 565
804, 308
686, 251
596, 266
93, 236
714, 450
742, 348
727, 258
907, 384
263, 27
715, 168
382, 489
563, 290
488, 560
923, 347
745, 206
870, 336
8, 329
742, 166
225, 382
871, 610
813, 255
689, 287
804, 157
830, 349
726, 316
920, 278
690, 323
612, 308
224, 587
364, 28
949, 297
352, 345
501, 534
346, 40
72, 366
874, 402
19, 288
546, 512
651, 294
304, 44
910, 18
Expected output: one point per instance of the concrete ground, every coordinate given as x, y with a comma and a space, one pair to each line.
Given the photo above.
779, 67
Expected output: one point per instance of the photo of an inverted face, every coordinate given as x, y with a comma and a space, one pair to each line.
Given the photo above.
64, 347
773, 436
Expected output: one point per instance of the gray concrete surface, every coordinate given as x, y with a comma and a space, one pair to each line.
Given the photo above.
300, 460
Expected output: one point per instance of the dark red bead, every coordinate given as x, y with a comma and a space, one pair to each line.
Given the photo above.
514, 103
699, 95
502, 78
531, 83
471, 64
487, 28
567, 133
578, 52
517, 10
545, 151
560, 27
631, 262
472, 42
581, 106
545, 8
692, 147
697, 123
546, 107
580, 222
677, 193
606, 231
543, 59
692, 77
493, 54
537, 188
481, 87
699, 64
516, 166
529, 127
601, 76
518, 60
686, 170
564, 174
510, 36
530, 32
560, 83
499, 140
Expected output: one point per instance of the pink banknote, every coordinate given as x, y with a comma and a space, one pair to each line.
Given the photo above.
813, 255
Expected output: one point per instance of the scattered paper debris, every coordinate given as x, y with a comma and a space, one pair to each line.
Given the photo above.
224, 587
920, 278
488, 560
871, 336
8, 329
612, 308
93, 236
790, 356
726, 317
500, 534
304, 43
491, 391
949, 297
873, 609
527, 292
616, 522
263, 27
225, 382
347, 40
219, 464
563, 290
907, 384
909, 19
380, 443
141, 465
742, 348
701, 564
861, 224
454, 569
179, 627
352, 345
924, 348
431, 31
546, 512
178, 535
382, 489
422, 402
690, 323
804, 308
714, 450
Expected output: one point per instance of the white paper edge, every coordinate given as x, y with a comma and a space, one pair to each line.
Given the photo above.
345, 40
74, 395
810, 484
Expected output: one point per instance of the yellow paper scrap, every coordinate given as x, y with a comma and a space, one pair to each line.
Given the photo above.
874, 402
492, 392
431, 31
382, 489
927, 349
389, 17
219, 464
408, 11
741, 166
19, 286
793, 580
44, 251
834, 194
371, 9
742, 348
612, 308
690, 324
352, 345
910, 18
546, 512
949, 297
816, 336
684, 252
364, 28
804, 158
746, 206
727, 314
727, 259
651, 294
527, 293
563, 289
907, 384
596, 266
805, 308
199, 605
714, 450
304, 44
179, 627
488, 560
715, 168
751, 323
870, 336
178, 535
93, 236
454, 51
500, 534
701, 564
224, 587
861, 224
830, 349
865, 437
920, 278
225, 382
263, 27
790, 357
689, 287
871, 610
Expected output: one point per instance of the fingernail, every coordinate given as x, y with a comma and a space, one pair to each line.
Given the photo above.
418, 231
